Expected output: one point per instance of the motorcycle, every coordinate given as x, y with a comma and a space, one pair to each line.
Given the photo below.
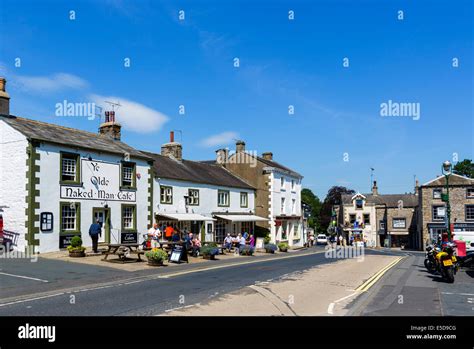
430, 260
446, 262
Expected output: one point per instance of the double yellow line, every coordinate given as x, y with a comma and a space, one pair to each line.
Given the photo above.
370, 282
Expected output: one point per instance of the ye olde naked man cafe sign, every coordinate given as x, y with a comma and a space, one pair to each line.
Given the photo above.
100, 181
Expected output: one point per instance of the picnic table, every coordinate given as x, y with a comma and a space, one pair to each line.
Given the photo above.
123, 251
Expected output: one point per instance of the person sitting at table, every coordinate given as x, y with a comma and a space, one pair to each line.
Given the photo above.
241, 241
196, 246
246, 235
175, 237
252, 241
228, 242
188, 241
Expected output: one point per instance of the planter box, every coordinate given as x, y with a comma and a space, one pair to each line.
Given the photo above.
154, 263
77, 254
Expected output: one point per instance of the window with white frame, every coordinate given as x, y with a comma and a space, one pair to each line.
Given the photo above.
359, 204
128, 175
438, 212
193, 197
293, 206
69, 167
128, 217
68, 217
166, 195
223, 198
437, 193
293, 184
283, 204
282, 183
244, 199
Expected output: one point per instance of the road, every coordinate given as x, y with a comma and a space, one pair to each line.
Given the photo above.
409, 290
55, 288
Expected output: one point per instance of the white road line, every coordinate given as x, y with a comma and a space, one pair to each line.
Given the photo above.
33, 299
24, 277
333, 304
458, 294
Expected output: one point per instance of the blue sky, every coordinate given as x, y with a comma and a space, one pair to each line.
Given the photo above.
283, 62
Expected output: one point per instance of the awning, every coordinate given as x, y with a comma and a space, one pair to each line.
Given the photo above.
241, 217
184, 217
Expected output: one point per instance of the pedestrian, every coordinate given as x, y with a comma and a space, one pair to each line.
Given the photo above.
169, 232
252, 241
155, 235
311, 239
95, 231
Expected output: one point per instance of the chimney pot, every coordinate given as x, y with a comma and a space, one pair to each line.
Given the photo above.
172, 137
4, 98
268, 156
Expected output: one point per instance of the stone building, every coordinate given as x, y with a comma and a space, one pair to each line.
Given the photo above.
432, 215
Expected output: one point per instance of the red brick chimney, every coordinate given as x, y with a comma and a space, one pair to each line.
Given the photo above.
172, 149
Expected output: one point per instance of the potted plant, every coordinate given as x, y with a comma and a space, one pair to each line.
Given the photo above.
283, 247
270, 248
246, 250
209, 252
156, 257
75, 248
266, 240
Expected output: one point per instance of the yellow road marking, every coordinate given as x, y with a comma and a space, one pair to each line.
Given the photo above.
372, 280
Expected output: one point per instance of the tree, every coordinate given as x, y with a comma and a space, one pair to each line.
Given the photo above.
333, 197
309, 198
464, 168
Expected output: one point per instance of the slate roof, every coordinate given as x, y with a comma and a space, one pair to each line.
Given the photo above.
195, 171
50, 133
391, 200
454, 179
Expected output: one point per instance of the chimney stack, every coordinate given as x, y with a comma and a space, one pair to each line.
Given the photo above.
222, 156
240, 147
268, 156
4, 98
172, 149
375, 191
111, 128
417, 187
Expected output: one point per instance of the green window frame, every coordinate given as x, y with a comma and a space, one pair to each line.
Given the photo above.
193, 200
219, 192
77, 229
163, 195
134, 218
63, 165
246, 196
133, 180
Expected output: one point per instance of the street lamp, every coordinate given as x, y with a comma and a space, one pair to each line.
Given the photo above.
447, 168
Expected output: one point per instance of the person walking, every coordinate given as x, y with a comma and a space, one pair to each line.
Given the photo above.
95, 231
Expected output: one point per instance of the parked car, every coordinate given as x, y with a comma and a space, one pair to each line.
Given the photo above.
321, 239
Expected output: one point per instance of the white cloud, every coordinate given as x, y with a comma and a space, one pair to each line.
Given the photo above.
220, 139
49, 84
132, 115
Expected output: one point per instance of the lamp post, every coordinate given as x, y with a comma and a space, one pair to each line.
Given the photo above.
447, 170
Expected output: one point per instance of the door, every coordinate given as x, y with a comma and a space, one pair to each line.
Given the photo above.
103, 216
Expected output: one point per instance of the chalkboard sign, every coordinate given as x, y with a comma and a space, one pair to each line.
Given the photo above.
129, 238
65, 240
178, 255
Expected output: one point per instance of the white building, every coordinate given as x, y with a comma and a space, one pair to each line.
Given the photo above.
200, 197
55, 181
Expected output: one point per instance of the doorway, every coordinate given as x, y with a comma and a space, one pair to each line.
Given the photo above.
103, 215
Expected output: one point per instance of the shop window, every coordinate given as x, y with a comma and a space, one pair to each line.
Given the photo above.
129, 218
70, 217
